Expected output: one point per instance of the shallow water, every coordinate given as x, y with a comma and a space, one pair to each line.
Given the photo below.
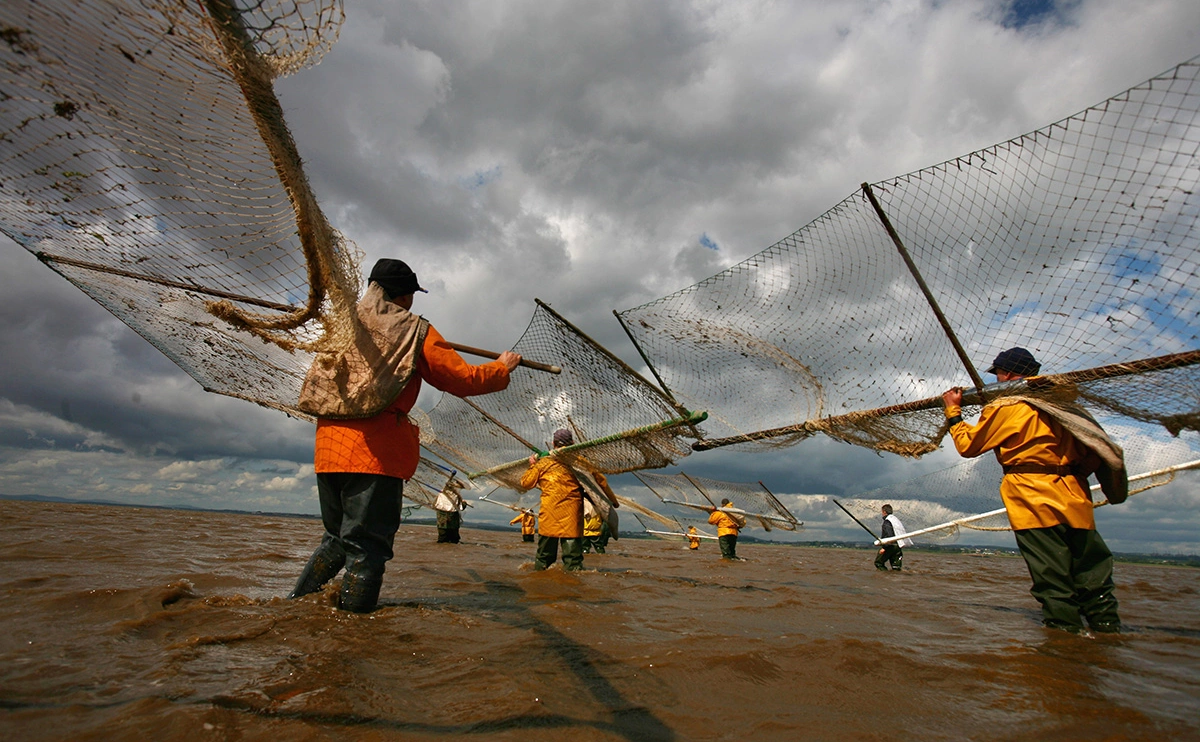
124, 623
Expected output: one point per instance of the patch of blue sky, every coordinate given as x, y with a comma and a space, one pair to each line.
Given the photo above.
1137, 265
481, 178
1170, 306
1021, 14
708, 242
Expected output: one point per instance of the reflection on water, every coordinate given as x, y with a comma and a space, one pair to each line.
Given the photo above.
124, 623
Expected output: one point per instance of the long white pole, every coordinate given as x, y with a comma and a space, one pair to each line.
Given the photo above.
1094, 488
940, 527
682, 535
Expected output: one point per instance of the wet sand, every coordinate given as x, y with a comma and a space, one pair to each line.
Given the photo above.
124, 623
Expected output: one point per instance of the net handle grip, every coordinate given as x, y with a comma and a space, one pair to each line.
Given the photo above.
493, 354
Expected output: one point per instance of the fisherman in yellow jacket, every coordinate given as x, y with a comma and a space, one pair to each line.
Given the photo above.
693, 538
728, 526
560, 519
528, 523
1046, 494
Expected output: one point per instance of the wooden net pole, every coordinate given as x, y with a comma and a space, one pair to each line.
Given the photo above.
916, 274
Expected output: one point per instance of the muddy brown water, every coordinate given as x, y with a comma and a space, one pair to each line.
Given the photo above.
130, 624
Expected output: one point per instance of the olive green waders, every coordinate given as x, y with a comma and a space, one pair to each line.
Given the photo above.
1071, 570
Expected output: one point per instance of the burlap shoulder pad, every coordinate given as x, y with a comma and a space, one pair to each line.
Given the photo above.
362, 380
1112, 475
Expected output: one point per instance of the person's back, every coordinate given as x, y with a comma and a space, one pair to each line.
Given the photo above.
366, 446
560, 516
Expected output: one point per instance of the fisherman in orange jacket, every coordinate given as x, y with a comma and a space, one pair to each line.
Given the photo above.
1046, 494
560, 519
728, 526
528, 523
366, 446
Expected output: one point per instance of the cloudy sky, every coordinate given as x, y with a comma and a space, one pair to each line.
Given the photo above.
596, 156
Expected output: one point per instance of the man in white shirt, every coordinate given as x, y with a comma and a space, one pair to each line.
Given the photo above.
893, 552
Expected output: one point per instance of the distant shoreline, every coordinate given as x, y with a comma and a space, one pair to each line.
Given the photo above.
1165, 560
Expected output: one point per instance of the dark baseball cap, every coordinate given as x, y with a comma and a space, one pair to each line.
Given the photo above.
395, 277
1016, 361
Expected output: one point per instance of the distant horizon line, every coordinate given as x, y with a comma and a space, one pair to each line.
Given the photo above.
1191, 560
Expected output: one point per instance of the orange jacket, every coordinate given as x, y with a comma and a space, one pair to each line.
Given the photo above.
1019, 435
388, 443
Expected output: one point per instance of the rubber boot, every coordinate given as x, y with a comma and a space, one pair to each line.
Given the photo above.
360, 594
323, 566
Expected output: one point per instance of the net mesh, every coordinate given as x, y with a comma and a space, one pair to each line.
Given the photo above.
620, 422
760, 507
146, 160
1077, 241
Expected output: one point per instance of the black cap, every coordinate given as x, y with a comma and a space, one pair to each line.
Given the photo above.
395, 277
1016, 361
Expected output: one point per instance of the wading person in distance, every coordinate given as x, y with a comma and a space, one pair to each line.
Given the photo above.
693, 538
894, 552
528, 524
1047, 450
728, 526
449, 506
365, 445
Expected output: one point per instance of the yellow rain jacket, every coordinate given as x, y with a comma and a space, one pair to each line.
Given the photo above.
1020, 435
527, 522
561, 513
727, 524
591, 523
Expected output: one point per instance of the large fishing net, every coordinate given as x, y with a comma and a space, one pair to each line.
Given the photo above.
620, 422
146, 159
1077, 241
753, 501
939, 505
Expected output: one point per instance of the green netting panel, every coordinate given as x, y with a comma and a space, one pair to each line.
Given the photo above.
1077, 241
